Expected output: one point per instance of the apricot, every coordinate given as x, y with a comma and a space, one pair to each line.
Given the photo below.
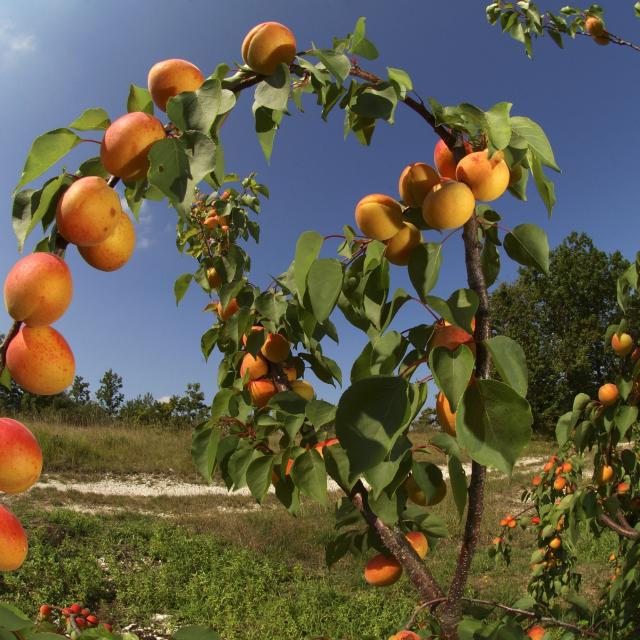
444, 160
211, 222
401, 246
276, 348
126, 144
446, 417
261, 392
555, 544
623, 344
537, 480
419, 543
603, 41
594, 27
116, 250
567, 467
448, 205
381, 571
214, 278
623, 487
13, 541
254, 329
417, 495
488, 178
451, 337
559, 483
325, 443
268, 45
38, 289
605, 474
257, 366
228, 311
291, 373
379, 217
20, 457
303, 389
536, 632
40, 361
608, 394
168, 78
416, 180
88, 211
404, 635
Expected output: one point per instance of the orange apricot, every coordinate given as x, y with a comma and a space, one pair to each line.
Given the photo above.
608, 394
303, 389
555, 543
211, 222
536, 632
116, 250
605, 474
622, 488
536, 481
623, 344
382, 571
444, 160
448, 205
400, 247
261, 392
405, 634
419, 543
451, 337
594, 26
488, 178
416, 180
13, 541
20, 457
268, 45
257, 367
446, 417
276, 348
228, 311
559, 483
417, 495
379, 217
168, 78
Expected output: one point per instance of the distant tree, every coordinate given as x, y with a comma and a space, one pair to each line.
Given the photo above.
109, 394
79, 391
191, 407
426, 420
559, 321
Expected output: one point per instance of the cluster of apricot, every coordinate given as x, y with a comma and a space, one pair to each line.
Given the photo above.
67, 617
447, 198
383, 570
20, 468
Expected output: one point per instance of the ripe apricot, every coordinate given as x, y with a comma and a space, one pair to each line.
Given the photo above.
444, 160
451, 337
536, 632
228, 311
379, 217
448, 205
401, 246
623, 345
276, 348
261, 392
303, 389
38, 289
417, 495
446, 417
419, 543
488, 178
567, 467
116, 250
13, 541
382, 570
605, 474
535, 520
257, 366
608, 394
536, 481
88, 211
623, 487
126, 144
555, 543
416, 180
268, 45
594, 27
559, 483
214, 278
291, 373
405, 635
211, 222
40, 361
325, 443
20, 457
168, 78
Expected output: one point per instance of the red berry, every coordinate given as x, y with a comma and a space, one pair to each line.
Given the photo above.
92, 620
75, 608
81, 622
45, 610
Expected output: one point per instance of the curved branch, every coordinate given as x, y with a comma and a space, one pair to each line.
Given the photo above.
626, 532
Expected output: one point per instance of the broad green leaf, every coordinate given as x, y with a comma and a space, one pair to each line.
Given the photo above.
527, 244
238, 463
204, 447
375, 103
267, 122
310, 476
490, 262
499, 125
45, 151
139, 100
510, 362
371, 415
12, 619
536, 139
452, 371
197, 110
181, 285
428, 477
401, 78
543, 184
324, 283
5, 378
493, 423
259, 476
625, 416
92, 167
273, 92
458, 481
337, 64
387, 351
360, 46
307, 250
91, 120
337, 465
424, 267
320, 413
169, 168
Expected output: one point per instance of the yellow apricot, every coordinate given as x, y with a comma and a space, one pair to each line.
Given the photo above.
170, 77
116, 250
303, 389
488, 178
594, 27
608, 394
444, 160
604, 474
416, 180
381, 571
446, 417
623, 344
379, 217
401, 246
419, 543
603, 41
214, 278
268, 45
20, 457
448, 205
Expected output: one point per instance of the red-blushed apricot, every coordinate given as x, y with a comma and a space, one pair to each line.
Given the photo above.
400, 247
405, 634
88, 211
446, 417
536, 632
594, 27
605, 474
444, 160
254, 329
608, 394
13, 541
567, 467
419, 543
622, 488
228, 311
126, 144
559, 483
416, 180
381, 571
418, 496
451, 337
555, 543
20, 457
550, 464
168, 78
488, 178
40, 361
379, 217
448, 205
257, 366
116, 250
268, 45
623, 345
303, 389
261, 392
211, 222
214, 278
325, 443
276, 348
38, 289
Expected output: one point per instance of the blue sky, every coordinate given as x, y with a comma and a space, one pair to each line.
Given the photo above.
58, 58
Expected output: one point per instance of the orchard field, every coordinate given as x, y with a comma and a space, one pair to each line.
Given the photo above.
417, 349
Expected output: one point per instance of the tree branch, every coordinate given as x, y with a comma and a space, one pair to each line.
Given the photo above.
11, 334
626, 532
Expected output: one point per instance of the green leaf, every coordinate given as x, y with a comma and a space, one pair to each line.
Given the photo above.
452, 371
536, 139
360, 46
307, 250
428, 477
375, 103
92, 167
196, 632
181, 285
139, 100
91, 120
458, 480
12, 619
490, 262
371, 415
324, 283
545, 187
259, 476
45, 151
499, 125
424, 267
267, 122
320, 413
337, 64
310, 476
625, 416
510, 362
198, 110
273, 92
169, 168
527, 244
204, 447
5, 378
493, 422
400, 78
337, 465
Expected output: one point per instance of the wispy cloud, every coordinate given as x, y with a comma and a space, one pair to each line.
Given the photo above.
14, 43
144, 229
164, 399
